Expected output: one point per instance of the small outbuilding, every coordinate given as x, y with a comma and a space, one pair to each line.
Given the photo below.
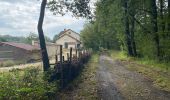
19, 52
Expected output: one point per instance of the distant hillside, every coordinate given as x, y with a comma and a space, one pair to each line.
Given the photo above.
8, 38
28, 40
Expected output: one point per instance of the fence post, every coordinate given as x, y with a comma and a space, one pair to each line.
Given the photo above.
70, 65
80, 55
56, 58
63, 58
67, 56
61, 61
76, 54
71, 54
61, 53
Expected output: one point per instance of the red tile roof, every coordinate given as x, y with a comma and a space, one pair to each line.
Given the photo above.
22, 46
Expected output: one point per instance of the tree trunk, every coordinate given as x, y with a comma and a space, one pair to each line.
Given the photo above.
168, 15
155, 26
41, 37
162, 15
132, 35
127, 31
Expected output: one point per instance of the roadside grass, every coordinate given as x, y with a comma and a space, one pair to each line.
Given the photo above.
84, 87
27, 84
158, 73
10, 63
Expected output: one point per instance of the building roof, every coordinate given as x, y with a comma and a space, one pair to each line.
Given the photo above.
47, 43
66, 30
70, 36
24, 46
62, 32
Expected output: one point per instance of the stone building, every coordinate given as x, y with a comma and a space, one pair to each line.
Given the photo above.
69, 38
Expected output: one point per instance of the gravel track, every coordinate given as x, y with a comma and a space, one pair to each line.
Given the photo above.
116, 82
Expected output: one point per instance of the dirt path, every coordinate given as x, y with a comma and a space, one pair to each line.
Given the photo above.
116, 82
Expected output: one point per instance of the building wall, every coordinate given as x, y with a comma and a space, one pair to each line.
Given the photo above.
64, 39
71, 46
73, 34
52, 49
17, 54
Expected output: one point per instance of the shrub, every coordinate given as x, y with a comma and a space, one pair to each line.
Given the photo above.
27, 84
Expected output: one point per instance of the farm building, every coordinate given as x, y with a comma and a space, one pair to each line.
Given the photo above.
52, 48
69, 38
25, 52
18, 52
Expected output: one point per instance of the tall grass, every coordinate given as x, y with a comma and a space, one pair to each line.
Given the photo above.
10, 63
121, 55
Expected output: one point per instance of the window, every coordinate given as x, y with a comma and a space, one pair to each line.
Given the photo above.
66, 45
78, 45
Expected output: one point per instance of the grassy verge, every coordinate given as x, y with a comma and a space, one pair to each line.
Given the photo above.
84, 87
159, 73
10, 63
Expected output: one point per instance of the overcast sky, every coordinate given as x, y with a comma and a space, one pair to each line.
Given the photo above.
20, 17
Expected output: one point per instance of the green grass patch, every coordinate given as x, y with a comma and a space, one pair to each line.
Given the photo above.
84, 87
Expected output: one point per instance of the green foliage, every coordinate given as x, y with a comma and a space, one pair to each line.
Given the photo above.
28, 84
33, 36
8, 38
2, 39
79, 8
108, 29
55, 38
28, 39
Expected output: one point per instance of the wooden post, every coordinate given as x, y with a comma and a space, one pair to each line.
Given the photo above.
80, 54
67, 56
71, 54
56, 58
61, 80
63, 58
61, 55
70, 69
76, 54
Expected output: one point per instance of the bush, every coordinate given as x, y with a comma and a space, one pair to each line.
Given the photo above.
27, 84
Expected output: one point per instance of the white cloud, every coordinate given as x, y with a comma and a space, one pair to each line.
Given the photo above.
20, 17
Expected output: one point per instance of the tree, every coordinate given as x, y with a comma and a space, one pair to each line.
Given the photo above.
168, 15
45, 58
127, 30
138, 27
162, 4
31, 37
154, 15
55, 38
2, 39
77, 7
